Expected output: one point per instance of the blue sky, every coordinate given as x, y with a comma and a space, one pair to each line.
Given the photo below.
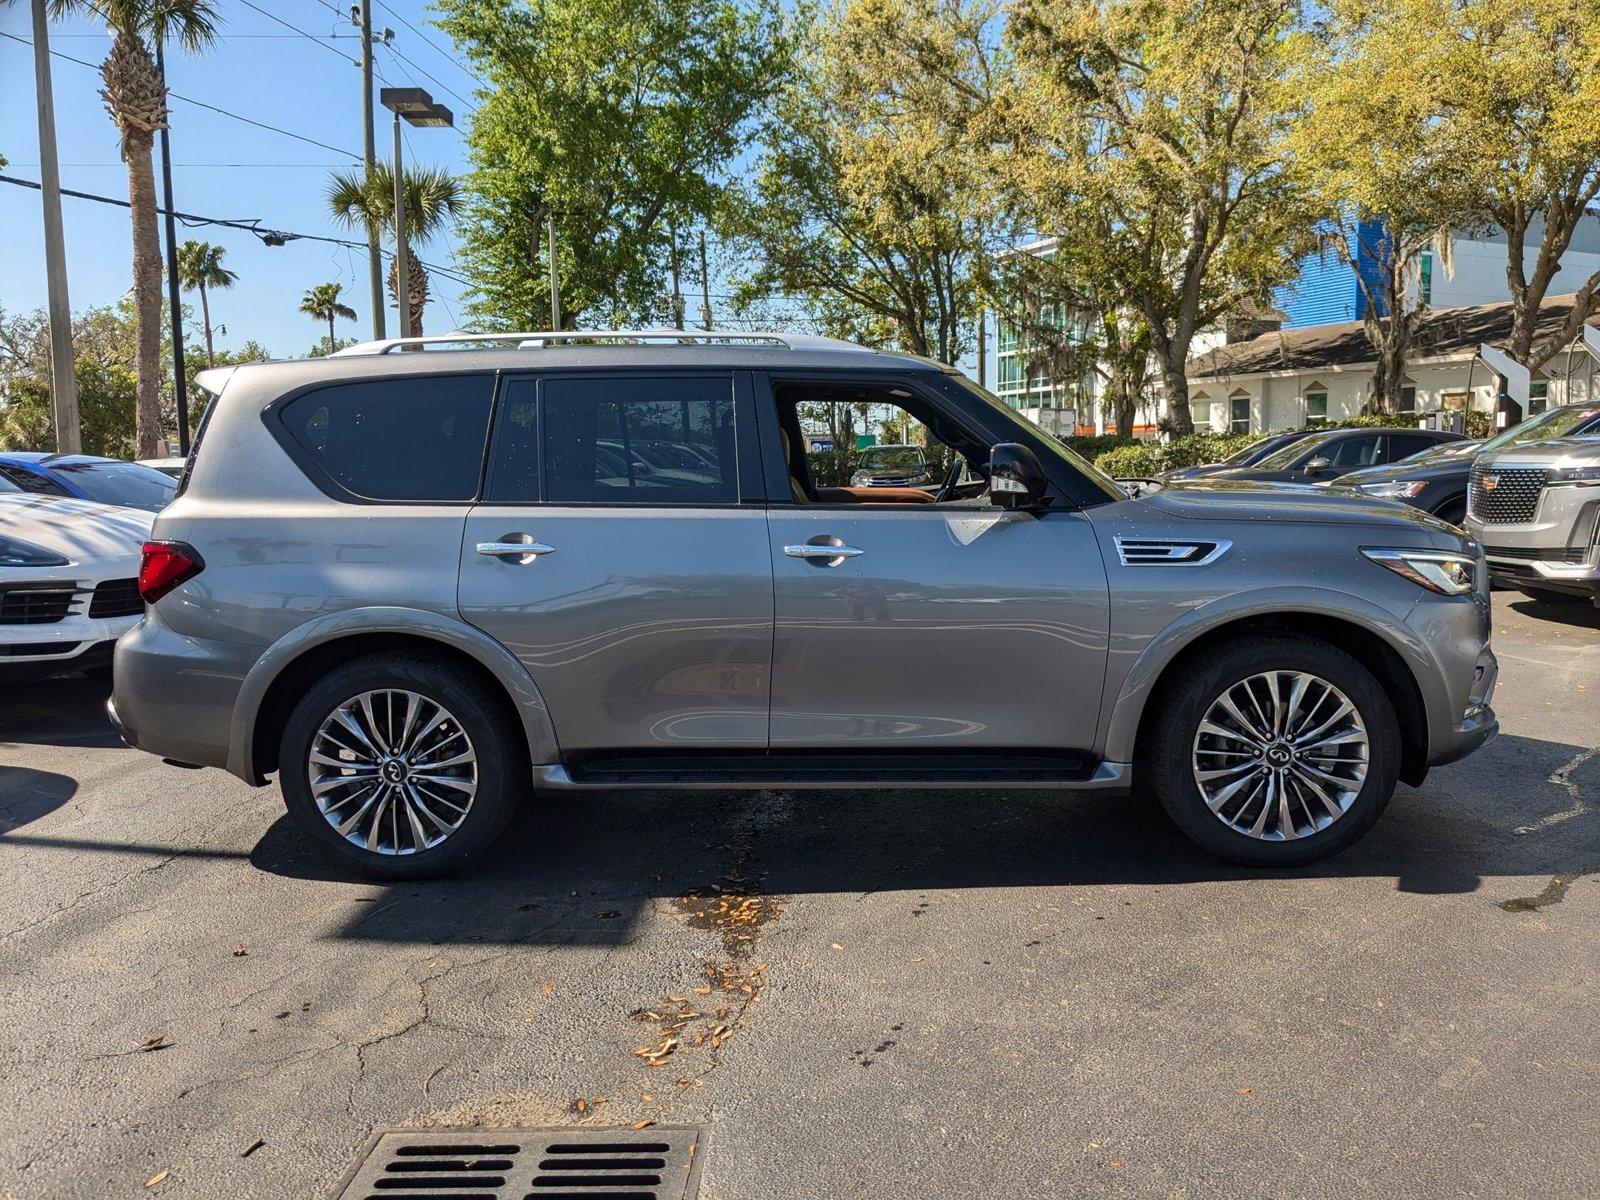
224, 168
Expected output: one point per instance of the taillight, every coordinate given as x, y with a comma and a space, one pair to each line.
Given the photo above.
164, 565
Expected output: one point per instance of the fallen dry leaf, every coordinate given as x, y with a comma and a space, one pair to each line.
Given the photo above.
253, 1147
643, 1124
239, 952
155, 1180
549, 989
156, 1043
836, 946
1244, 1091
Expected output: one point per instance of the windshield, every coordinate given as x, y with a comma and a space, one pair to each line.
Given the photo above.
1243, 455
1445, 450
891, 457
1552, 423
1083, 466
1284, 455
129, 485
7, 486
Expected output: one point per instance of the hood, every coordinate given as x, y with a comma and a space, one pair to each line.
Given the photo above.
75, 529
1237, 500
1443, 468
1550, 453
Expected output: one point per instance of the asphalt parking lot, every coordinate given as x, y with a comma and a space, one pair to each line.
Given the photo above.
855, 994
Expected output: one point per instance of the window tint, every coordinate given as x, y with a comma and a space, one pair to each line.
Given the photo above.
638, 441
514, 476
128, 485
1354, 451
397, 439
1404, 445
27, 481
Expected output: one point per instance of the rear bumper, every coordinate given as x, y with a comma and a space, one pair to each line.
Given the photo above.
173, 696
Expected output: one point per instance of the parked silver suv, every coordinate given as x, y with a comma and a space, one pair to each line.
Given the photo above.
1534, 501
414, 579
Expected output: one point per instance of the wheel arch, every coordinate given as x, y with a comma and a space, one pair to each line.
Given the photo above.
1368, 634
294, 662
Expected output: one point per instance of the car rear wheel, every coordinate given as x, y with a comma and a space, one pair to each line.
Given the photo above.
401, 766
1274, 750
1549, 596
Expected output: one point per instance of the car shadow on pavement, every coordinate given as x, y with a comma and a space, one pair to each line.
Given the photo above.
1579, 613
27, 794
68, 711
584, 869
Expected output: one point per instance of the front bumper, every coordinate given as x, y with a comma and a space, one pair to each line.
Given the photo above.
1478, 722
73, 643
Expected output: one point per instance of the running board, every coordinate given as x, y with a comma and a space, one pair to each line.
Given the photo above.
790, 773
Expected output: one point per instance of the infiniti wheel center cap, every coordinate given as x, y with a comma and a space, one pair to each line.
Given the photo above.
393, 771
1279, 755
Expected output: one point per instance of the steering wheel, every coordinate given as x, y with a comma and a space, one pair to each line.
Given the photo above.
950, 478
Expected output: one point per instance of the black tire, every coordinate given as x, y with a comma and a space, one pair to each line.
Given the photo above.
1190, 693
1550, 596
495, 739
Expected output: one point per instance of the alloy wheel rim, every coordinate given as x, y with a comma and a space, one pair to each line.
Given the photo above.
1281, 755
392, 771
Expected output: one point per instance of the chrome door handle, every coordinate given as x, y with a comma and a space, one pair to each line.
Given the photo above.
823, 554
523, 552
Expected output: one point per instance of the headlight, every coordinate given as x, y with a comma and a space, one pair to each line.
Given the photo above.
1575, 475
14, 553
860, 479
1436, 570
1392, 491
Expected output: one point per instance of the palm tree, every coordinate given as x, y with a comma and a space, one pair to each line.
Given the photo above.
135, 94
200, 267
322, 302
432, 195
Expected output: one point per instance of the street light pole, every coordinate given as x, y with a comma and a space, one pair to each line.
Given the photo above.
63, 380
369, 155
418, 108
402, 270
180, 388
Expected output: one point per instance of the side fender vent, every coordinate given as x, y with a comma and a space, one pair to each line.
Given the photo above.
1167, 552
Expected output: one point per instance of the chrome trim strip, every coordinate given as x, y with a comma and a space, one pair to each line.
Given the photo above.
1169, 552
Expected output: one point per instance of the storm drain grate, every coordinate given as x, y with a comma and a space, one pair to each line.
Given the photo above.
658, 1163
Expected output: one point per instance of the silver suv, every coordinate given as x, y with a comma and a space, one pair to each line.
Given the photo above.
419, 581
1534, 500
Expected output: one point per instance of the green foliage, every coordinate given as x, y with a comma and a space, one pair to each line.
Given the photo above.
1479, 425
106, 393
1132, 462
1140, 459
366, 202
1092, 446
613, 114
874, 188
200, 266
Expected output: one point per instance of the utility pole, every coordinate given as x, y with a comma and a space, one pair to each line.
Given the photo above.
672, 265
705, 286
402, 269
369, 155
555, 275
180, 383
63, 380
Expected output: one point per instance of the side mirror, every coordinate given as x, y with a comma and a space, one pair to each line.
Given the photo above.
1016, 480
1319, 464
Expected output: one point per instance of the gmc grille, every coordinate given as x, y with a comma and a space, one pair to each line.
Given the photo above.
1512, 500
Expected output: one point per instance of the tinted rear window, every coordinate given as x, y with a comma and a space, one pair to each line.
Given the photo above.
397, 439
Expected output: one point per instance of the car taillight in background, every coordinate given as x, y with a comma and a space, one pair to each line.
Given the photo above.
165, 565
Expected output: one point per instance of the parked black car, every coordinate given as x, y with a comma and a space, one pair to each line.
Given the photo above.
1326, 455
1437, 483
1247, 457
1434, 481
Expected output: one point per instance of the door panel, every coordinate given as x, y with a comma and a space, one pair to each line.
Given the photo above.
951, 629
644, 628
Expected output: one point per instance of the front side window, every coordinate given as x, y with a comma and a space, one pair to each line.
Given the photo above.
417, 438
662, 440
1355, 451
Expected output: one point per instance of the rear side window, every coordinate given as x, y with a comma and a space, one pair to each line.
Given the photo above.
1404, 445
27, 481
418, 438
663, 440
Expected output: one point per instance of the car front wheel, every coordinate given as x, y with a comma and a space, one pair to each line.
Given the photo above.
401, 766
1274, 750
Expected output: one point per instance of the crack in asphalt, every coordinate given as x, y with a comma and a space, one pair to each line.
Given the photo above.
1554, 892
1562, 777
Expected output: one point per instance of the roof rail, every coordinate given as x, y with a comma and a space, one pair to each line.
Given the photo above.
591, 337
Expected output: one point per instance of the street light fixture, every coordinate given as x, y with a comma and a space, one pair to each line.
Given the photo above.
419, 109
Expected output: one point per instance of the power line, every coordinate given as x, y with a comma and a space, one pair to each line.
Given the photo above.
455, 62
272, 237
299, 137
310, 37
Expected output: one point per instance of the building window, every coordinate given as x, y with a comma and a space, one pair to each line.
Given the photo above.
1317, 408
1408, 398
1239, 414
1425, 280
1538, 396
